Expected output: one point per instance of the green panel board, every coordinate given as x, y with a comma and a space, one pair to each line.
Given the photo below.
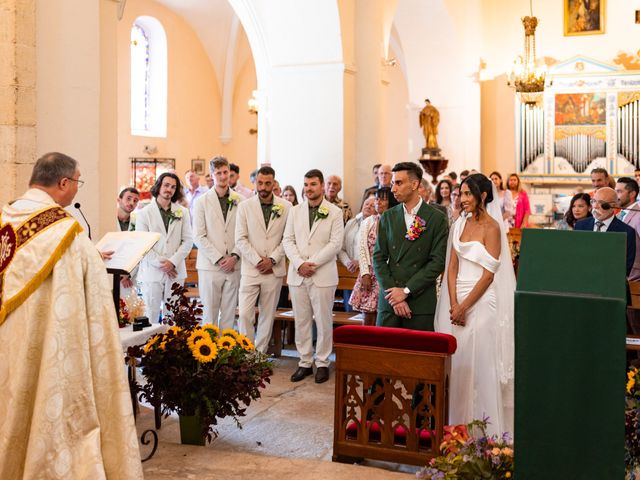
572, 262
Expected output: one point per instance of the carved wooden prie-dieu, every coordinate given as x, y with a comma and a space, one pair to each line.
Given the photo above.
391, 404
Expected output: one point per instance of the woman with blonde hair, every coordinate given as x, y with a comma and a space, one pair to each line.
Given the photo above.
520, 202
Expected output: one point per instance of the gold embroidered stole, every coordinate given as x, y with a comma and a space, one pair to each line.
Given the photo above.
44, 235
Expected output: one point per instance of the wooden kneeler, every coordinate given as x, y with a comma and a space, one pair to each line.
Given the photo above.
391, 398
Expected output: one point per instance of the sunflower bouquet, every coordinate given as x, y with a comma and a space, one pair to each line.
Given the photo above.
199, 370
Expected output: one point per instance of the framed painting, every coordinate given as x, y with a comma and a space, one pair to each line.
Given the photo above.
583, 17
197, 165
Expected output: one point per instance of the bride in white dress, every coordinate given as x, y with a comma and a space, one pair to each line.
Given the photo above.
476, 306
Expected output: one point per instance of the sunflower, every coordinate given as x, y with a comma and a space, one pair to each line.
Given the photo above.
245, 343
204, 350
226, 342
163, 345
151, 343
175, 330
213, 330
196, 335
230, 332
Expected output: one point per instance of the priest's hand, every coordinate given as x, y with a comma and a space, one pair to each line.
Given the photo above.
107, 254
457, 315
402, 310
307, 269
395, 295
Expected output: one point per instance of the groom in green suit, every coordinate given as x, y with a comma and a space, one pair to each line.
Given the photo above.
409, 254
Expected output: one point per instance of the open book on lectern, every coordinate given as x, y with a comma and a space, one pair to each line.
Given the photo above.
128, 248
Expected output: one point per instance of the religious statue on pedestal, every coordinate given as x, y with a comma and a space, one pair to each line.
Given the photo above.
431, 160
429, 119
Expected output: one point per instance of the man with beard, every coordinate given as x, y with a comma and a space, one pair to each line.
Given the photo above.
259, 229
127, 203
312, 239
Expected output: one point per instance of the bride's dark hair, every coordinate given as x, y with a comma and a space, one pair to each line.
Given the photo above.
479, 184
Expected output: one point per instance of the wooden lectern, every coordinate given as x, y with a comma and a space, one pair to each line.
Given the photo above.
570, 355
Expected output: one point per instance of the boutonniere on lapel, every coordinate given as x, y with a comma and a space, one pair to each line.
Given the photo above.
276, 211
416, 228
175, 215
233, 199
132, 221
322, 212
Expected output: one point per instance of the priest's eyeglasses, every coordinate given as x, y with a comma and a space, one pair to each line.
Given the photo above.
79, 182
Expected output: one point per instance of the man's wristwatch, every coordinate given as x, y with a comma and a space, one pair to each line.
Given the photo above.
273, 262
236, 255
406, 291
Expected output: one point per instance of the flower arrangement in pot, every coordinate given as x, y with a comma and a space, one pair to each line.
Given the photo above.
199, 372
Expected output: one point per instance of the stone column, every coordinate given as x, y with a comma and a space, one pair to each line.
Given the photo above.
17, 96
370, 104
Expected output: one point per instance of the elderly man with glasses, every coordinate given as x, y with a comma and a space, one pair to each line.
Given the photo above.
604, 202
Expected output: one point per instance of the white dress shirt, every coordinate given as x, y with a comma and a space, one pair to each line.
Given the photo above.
606, 222
409, 216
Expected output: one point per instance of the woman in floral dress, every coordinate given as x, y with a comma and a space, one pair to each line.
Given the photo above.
365, 292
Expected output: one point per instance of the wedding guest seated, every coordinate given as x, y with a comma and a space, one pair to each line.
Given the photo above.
453, 176
463, 174
603, 202
348, 255
579, 209
290, 195
365, 292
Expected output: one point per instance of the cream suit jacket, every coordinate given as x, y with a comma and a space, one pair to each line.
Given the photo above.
214, 236
632, 218
174, 244
254, 240
319, 245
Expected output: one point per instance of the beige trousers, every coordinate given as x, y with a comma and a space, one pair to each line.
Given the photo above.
266, 290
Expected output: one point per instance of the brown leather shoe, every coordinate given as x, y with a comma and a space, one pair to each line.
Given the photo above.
301, 373
322, 374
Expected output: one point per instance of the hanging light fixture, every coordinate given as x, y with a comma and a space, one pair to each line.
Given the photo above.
526, 77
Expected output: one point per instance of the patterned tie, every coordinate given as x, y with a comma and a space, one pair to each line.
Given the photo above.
599, 226
622, 214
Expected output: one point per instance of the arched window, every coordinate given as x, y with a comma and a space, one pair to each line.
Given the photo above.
148, 78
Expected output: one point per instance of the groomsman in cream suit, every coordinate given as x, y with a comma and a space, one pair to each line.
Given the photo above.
259, 229
312, 240
164, 264
214, 226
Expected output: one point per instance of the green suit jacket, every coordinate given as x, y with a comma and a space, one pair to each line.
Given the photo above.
416, 264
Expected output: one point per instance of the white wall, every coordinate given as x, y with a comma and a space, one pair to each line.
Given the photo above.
73, 70
298, 57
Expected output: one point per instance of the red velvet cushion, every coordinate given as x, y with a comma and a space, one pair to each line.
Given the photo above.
399, 433
398, 338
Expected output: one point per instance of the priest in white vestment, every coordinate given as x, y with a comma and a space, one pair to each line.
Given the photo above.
65, 407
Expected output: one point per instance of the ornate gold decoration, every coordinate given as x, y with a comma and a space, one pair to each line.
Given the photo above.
525, 76
596, 131
625, 98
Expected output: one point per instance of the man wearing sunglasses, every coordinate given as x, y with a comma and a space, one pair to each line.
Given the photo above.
604, 202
